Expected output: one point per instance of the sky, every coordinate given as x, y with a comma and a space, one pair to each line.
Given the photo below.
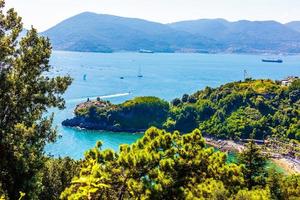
43, 14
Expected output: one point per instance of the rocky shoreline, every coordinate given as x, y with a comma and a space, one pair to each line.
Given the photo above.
86, 123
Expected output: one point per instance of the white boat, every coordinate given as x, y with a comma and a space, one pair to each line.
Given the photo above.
145, 51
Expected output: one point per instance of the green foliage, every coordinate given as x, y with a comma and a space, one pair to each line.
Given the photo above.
259, 194
160, 165
26, 93
185, 98
209, 189
186, 121
56, 176
236, 110
142, 113
254, 163
137, 114
176, 102
295, 85
164, 165
290, 187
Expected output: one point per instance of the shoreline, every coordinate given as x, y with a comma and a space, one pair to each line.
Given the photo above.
224, 145
289, 165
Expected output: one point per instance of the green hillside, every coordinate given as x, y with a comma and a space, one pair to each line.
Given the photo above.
255, 108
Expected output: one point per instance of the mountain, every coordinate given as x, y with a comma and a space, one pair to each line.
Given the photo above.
105, 33
245, 36
295, 25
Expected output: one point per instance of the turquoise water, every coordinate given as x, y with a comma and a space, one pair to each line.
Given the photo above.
165, 75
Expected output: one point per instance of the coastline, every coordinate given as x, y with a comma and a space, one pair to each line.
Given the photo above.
224, 145
289, 165
82, 123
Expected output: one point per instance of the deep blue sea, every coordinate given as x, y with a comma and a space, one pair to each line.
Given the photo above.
164, 75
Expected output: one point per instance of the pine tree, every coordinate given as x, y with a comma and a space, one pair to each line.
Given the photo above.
25, 94
254, 165
160, 165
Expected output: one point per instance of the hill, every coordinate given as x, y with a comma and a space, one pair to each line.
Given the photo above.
245, 36
295, 25
106, 33
235, 110
132, 116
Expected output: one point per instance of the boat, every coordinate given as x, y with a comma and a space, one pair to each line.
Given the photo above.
145, 51
272, 60
140, 73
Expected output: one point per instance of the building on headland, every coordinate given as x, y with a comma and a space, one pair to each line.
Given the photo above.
288, 81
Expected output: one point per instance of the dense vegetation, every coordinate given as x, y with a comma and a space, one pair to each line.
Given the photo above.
165, 165
25, 95
137, 114
160, 165
254, 108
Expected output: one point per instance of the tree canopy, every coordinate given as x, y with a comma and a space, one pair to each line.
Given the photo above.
26, 93
236, 110
161, 165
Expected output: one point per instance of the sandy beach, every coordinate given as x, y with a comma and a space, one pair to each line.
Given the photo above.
287, 164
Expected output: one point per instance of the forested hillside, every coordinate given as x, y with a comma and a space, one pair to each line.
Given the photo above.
254, 108
237, 110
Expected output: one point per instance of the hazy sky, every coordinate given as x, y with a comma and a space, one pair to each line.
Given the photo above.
46, 13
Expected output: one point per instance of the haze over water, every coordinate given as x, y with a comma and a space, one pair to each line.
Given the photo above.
165, 75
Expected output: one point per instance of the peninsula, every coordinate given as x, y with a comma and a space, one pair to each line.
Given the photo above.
237, 110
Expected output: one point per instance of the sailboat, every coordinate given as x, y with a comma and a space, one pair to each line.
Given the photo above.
140, 73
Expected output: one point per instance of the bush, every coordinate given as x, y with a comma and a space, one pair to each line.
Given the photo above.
176, 102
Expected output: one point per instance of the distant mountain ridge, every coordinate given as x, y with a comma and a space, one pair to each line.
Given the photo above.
245, 36
107, 33
295, 25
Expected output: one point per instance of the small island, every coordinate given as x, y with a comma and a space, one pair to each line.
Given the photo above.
135, 115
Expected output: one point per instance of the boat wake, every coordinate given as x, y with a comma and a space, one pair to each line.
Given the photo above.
95, 97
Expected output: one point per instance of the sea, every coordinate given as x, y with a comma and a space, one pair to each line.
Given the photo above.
114, 77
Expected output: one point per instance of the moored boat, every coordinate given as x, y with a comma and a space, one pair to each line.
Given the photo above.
272, 60
145, 51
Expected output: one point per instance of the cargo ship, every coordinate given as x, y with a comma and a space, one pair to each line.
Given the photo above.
272, 60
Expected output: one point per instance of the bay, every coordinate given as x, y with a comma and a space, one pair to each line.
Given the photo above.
164, 75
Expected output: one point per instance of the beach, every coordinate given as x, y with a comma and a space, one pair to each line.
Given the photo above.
289, 165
